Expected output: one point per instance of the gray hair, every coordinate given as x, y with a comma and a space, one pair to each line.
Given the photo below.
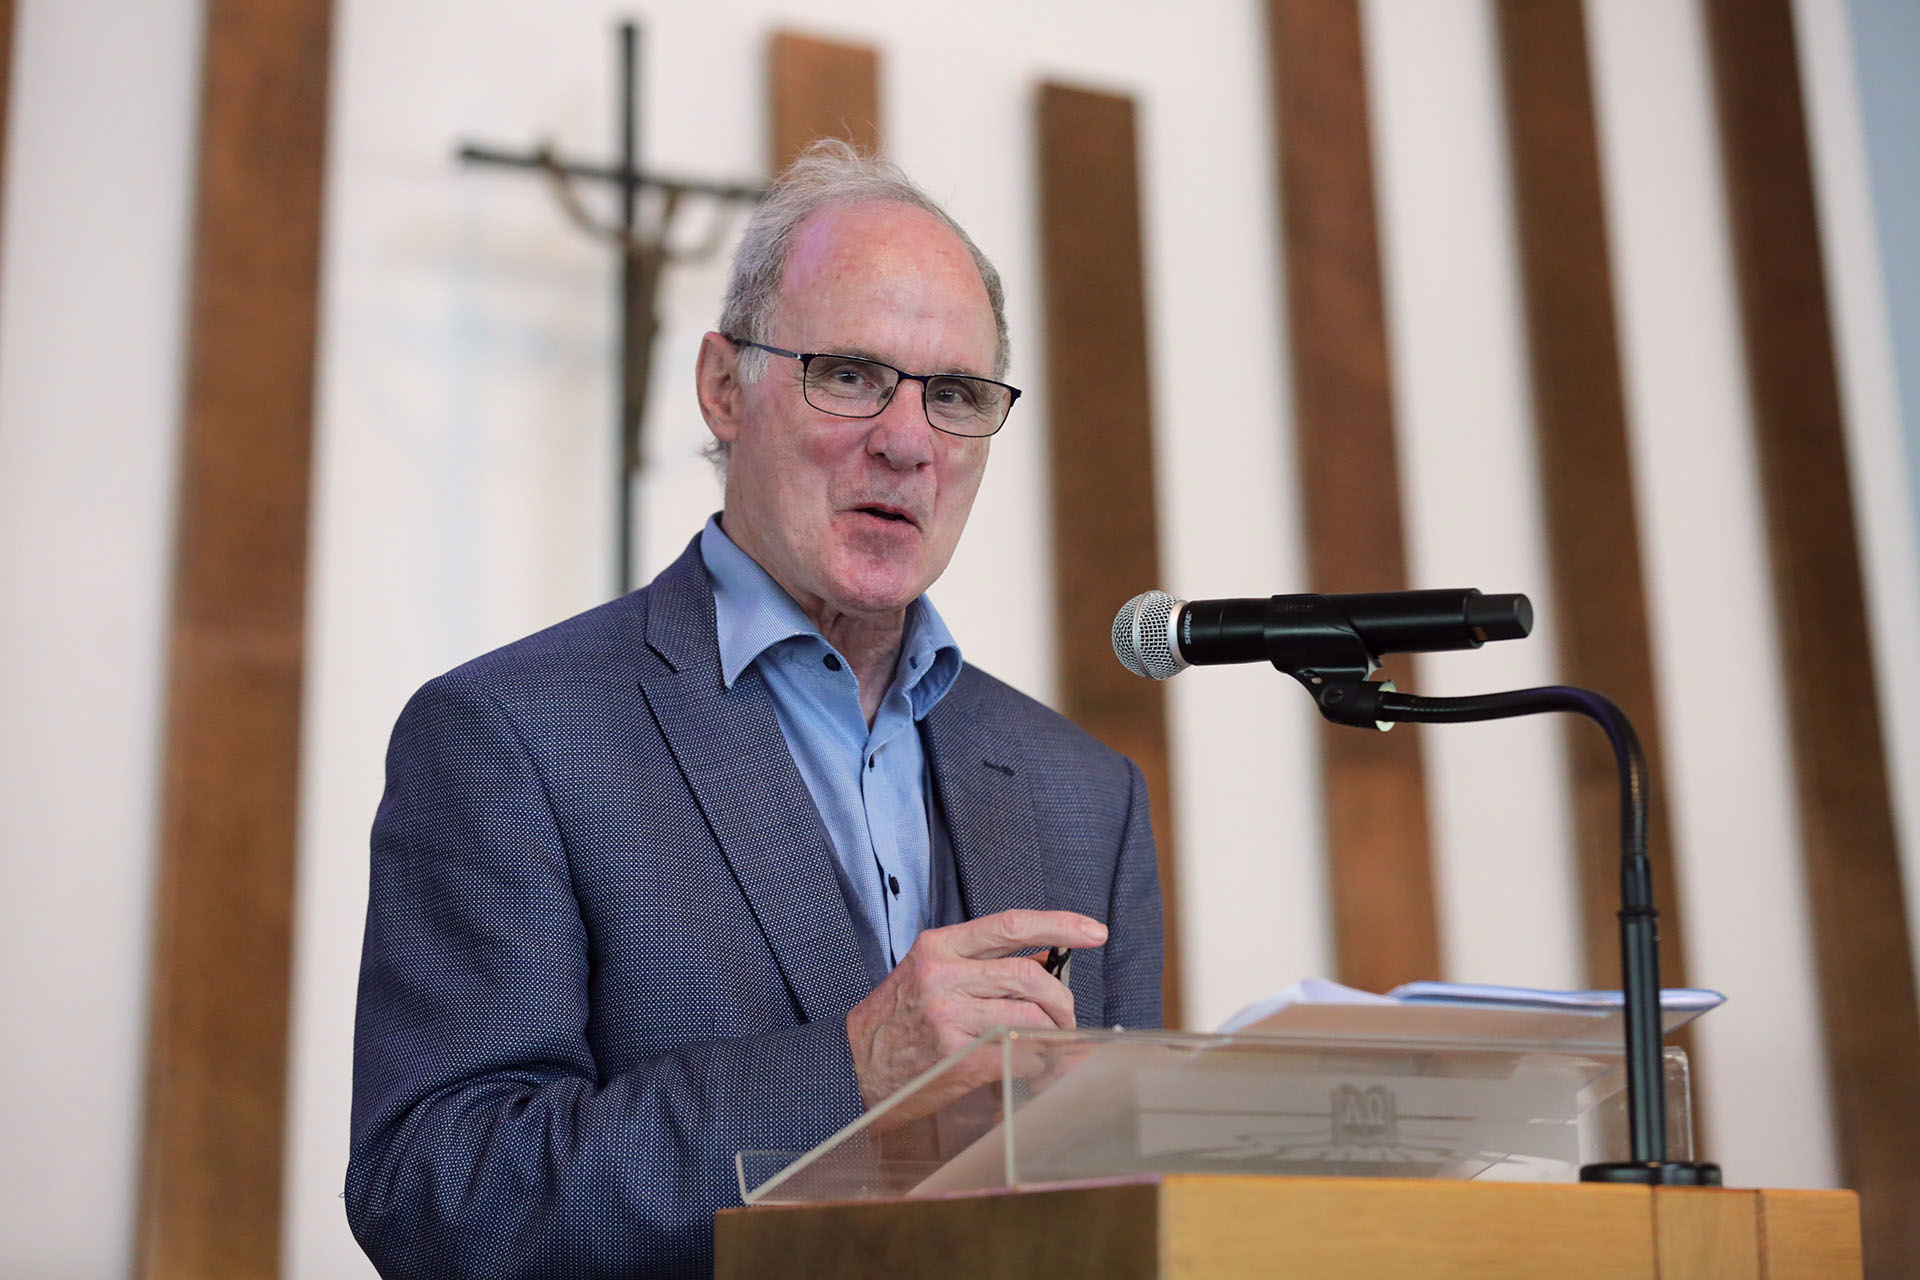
829, 174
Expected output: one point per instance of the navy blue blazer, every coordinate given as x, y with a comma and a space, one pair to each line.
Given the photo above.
606, 950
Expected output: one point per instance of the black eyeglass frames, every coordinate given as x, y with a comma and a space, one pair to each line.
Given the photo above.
856, 387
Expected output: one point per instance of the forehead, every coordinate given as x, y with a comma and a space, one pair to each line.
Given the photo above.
890, 280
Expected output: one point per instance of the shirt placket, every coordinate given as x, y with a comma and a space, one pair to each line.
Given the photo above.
902, 887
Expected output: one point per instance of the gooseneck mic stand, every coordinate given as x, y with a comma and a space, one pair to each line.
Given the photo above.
1345, 696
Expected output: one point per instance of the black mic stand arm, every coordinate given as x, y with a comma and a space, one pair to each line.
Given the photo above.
1345, 696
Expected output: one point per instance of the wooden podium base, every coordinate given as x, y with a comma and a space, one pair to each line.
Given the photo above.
1199, 1227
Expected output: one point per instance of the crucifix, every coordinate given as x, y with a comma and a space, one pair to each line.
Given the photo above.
644, 255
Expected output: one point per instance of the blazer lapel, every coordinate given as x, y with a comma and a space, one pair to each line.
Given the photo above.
989, 811
730, 750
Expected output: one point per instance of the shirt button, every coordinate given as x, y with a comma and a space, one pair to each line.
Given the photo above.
832, 661
873, 761
893, 883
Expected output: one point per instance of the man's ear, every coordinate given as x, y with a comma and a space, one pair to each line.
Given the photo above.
716, 377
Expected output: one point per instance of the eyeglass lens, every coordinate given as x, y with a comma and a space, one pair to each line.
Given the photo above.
856, 388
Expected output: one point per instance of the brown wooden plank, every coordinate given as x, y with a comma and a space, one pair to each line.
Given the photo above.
1386, 930
1190, 1226
1045, 1234
1580, 419
1100, 440
1810, 1235
1861, 941
1707, 1232
820, 89
210, 1181
1252, 1228
1211, 1227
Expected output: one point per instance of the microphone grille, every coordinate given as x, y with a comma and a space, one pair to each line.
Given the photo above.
1143, 636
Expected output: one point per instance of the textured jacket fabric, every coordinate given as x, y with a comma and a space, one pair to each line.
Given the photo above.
606, 951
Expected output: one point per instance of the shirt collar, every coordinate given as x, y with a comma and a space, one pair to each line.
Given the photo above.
753, 613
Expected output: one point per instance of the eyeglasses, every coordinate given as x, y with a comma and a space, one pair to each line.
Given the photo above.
855, 387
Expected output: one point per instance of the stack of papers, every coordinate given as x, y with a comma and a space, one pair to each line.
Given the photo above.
1482, 1009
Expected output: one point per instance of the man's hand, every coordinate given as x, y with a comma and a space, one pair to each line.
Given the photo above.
956, 983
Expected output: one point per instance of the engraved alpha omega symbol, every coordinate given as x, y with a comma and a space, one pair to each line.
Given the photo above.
1364, 1117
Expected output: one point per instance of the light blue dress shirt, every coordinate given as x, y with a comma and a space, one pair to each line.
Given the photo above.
871, 786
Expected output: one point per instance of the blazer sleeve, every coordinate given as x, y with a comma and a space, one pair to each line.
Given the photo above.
485, 1140
1134, 952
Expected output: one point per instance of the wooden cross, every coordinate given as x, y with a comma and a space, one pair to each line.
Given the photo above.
644, 256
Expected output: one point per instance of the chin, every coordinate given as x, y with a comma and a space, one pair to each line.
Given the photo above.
877, 602
878, 590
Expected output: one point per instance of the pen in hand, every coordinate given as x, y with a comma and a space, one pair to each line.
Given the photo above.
1059, 962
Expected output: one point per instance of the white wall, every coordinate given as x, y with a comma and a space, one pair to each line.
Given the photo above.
463, 454
1886, 47
1469, 482
1716, 656
1870, 266
464, 391
464, 398
99, 166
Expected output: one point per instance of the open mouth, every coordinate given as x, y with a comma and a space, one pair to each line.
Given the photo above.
885, 513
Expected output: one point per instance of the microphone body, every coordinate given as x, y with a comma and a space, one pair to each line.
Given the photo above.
1157, 636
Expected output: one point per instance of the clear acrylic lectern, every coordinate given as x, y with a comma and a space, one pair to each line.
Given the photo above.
1362, 1092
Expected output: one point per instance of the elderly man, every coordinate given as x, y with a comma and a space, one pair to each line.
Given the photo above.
717, 865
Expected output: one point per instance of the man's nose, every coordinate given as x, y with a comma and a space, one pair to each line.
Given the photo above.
901, 433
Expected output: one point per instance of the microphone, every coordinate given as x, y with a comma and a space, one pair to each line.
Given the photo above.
1157, 636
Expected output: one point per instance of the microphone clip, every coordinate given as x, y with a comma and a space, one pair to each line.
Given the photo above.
1324, 651
1355, 703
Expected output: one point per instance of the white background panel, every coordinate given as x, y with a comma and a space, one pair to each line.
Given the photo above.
1869, 395
1716, 653
464, 454
465, 383
99, 171
1502, 844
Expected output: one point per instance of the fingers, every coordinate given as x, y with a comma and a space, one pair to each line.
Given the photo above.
965, 1021
1018, 980
1006, 932
957, 982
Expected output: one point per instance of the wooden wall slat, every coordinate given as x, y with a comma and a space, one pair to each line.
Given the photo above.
1386, 928
217, 1041
1861, 941
820, 89
1580, 419
1100, 440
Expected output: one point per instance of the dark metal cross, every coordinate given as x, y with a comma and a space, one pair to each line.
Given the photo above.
644, 254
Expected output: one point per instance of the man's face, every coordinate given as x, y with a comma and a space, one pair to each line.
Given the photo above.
859, 516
